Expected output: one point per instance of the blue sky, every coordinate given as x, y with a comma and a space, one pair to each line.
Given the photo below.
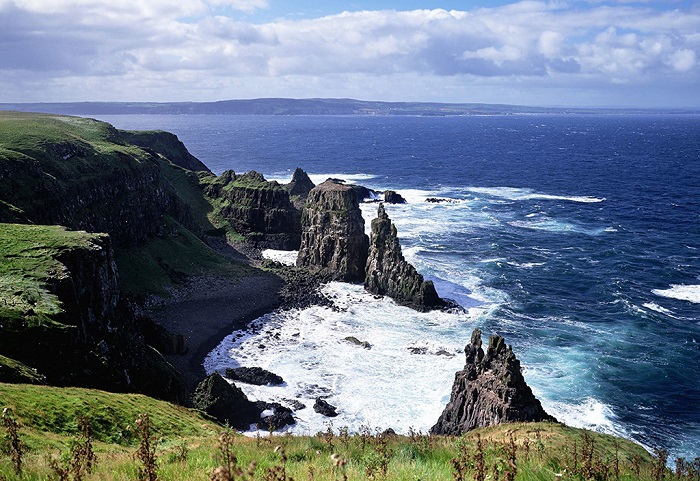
607, 53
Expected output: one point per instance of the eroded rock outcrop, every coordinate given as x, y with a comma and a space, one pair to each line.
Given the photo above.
258, 209
489, 390
229, 405
82, 333
300, 185
333, 239
388, 273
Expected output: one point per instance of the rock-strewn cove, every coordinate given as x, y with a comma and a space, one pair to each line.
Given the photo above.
125, 260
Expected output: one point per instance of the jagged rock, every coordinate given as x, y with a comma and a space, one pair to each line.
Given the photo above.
333, 239
357, 342
389, 274
274, 416
393, 197
258, 209
489, 390
322, 407
225, 402
254, 375
300, 185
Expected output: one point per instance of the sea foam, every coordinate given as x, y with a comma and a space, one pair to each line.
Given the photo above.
683, 292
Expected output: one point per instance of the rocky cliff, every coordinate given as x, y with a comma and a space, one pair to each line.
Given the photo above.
165, 144
300, 185
388, 273
62, 314
259, 210
489, 390
82, 174
333, 239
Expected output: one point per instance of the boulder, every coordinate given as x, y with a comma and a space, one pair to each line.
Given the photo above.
489, 390
254, 375
274, 416
333, 239
388, 273
225, 402
357, 342
322, 407
393, 197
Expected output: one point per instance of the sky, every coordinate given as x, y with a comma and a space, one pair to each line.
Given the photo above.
585, 53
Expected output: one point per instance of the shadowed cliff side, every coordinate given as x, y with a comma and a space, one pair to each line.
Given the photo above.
333, 239
489, 390
62, 314
389, 274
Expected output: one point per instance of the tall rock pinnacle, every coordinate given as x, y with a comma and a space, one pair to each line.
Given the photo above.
333, 239
489, 390
389, 274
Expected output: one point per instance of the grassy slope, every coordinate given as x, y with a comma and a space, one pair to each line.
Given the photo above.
188, 444
149, 268
28, 261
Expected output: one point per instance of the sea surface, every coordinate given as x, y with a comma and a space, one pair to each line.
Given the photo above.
576, 237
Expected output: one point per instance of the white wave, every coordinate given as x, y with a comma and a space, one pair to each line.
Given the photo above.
655, 307
286, 177
683, 292
552, 225
403, 381
288, 258
590, 414
513, 193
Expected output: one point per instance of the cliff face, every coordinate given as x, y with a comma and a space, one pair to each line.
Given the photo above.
490, 390
81, 173
66, 320
167, 145
388, 273
259, 210
333, 239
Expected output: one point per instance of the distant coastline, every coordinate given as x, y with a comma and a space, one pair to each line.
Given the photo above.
316, 106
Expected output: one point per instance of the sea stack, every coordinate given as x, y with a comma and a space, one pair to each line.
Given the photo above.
389, 274
489, 390
333, 239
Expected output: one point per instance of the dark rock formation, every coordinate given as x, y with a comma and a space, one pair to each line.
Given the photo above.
393, 197
259, 210
490, 390
254, 375
322, 407
357, 342
274, 416
300, 185
94, 339
225, 402
229, 405
389, 274
333, 239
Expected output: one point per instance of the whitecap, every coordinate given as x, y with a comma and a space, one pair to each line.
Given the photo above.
657, 308
288, 258
682, 292
589, 413
514, 193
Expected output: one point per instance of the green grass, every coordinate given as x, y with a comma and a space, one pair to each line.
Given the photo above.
28, 262
189, 447
159, 263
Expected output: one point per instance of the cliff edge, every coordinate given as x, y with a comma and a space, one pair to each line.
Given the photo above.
489, 390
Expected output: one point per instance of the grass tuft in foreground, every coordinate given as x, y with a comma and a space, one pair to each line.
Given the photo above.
171, 443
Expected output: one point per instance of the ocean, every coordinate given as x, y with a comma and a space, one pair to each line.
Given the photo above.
575, 237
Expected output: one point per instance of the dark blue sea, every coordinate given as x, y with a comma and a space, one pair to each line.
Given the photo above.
576, 237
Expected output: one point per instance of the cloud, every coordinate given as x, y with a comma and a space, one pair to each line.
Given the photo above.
173, 43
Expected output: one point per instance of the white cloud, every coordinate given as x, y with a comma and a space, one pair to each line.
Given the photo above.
190, 42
